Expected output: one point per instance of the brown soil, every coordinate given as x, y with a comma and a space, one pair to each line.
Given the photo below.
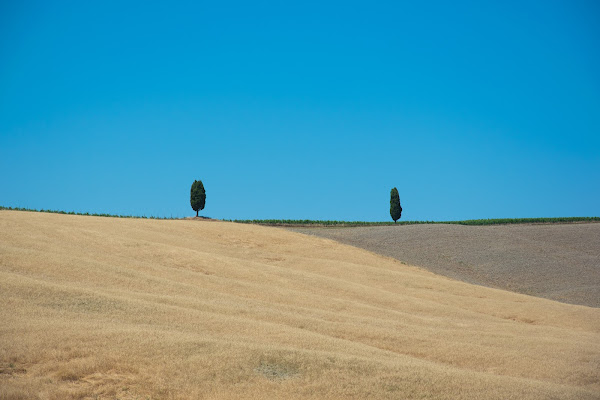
555, 261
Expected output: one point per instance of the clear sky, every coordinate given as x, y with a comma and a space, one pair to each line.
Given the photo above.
302, 109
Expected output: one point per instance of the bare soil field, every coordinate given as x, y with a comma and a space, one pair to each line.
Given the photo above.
106, 308
555, 261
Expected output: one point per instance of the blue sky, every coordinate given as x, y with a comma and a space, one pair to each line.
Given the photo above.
309, 110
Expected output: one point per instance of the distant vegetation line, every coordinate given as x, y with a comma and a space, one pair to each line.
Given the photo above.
496, 221
312, 222
88, 214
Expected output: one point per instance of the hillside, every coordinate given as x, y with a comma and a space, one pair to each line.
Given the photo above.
133, 309
555, 261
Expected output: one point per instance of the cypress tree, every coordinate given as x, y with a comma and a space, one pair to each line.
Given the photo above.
395, 208
197, 196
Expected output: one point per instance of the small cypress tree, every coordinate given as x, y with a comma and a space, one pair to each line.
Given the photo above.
395, 208
197, 196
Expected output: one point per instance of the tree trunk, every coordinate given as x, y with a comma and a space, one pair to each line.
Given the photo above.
197, 213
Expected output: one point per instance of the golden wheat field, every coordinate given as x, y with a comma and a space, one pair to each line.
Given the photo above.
106, 308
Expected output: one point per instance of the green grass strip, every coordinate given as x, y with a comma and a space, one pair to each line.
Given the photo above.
495, 221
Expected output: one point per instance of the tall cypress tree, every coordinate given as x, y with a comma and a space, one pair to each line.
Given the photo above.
395, 208
197, 196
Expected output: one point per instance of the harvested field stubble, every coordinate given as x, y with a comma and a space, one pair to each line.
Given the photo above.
555, 261
134, 309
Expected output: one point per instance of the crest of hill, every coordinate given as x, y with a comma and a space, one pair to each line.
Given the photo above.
135, 308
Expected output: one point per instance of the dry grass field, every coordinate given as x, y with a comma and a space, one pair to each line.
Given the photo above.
103, 308
555, 261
